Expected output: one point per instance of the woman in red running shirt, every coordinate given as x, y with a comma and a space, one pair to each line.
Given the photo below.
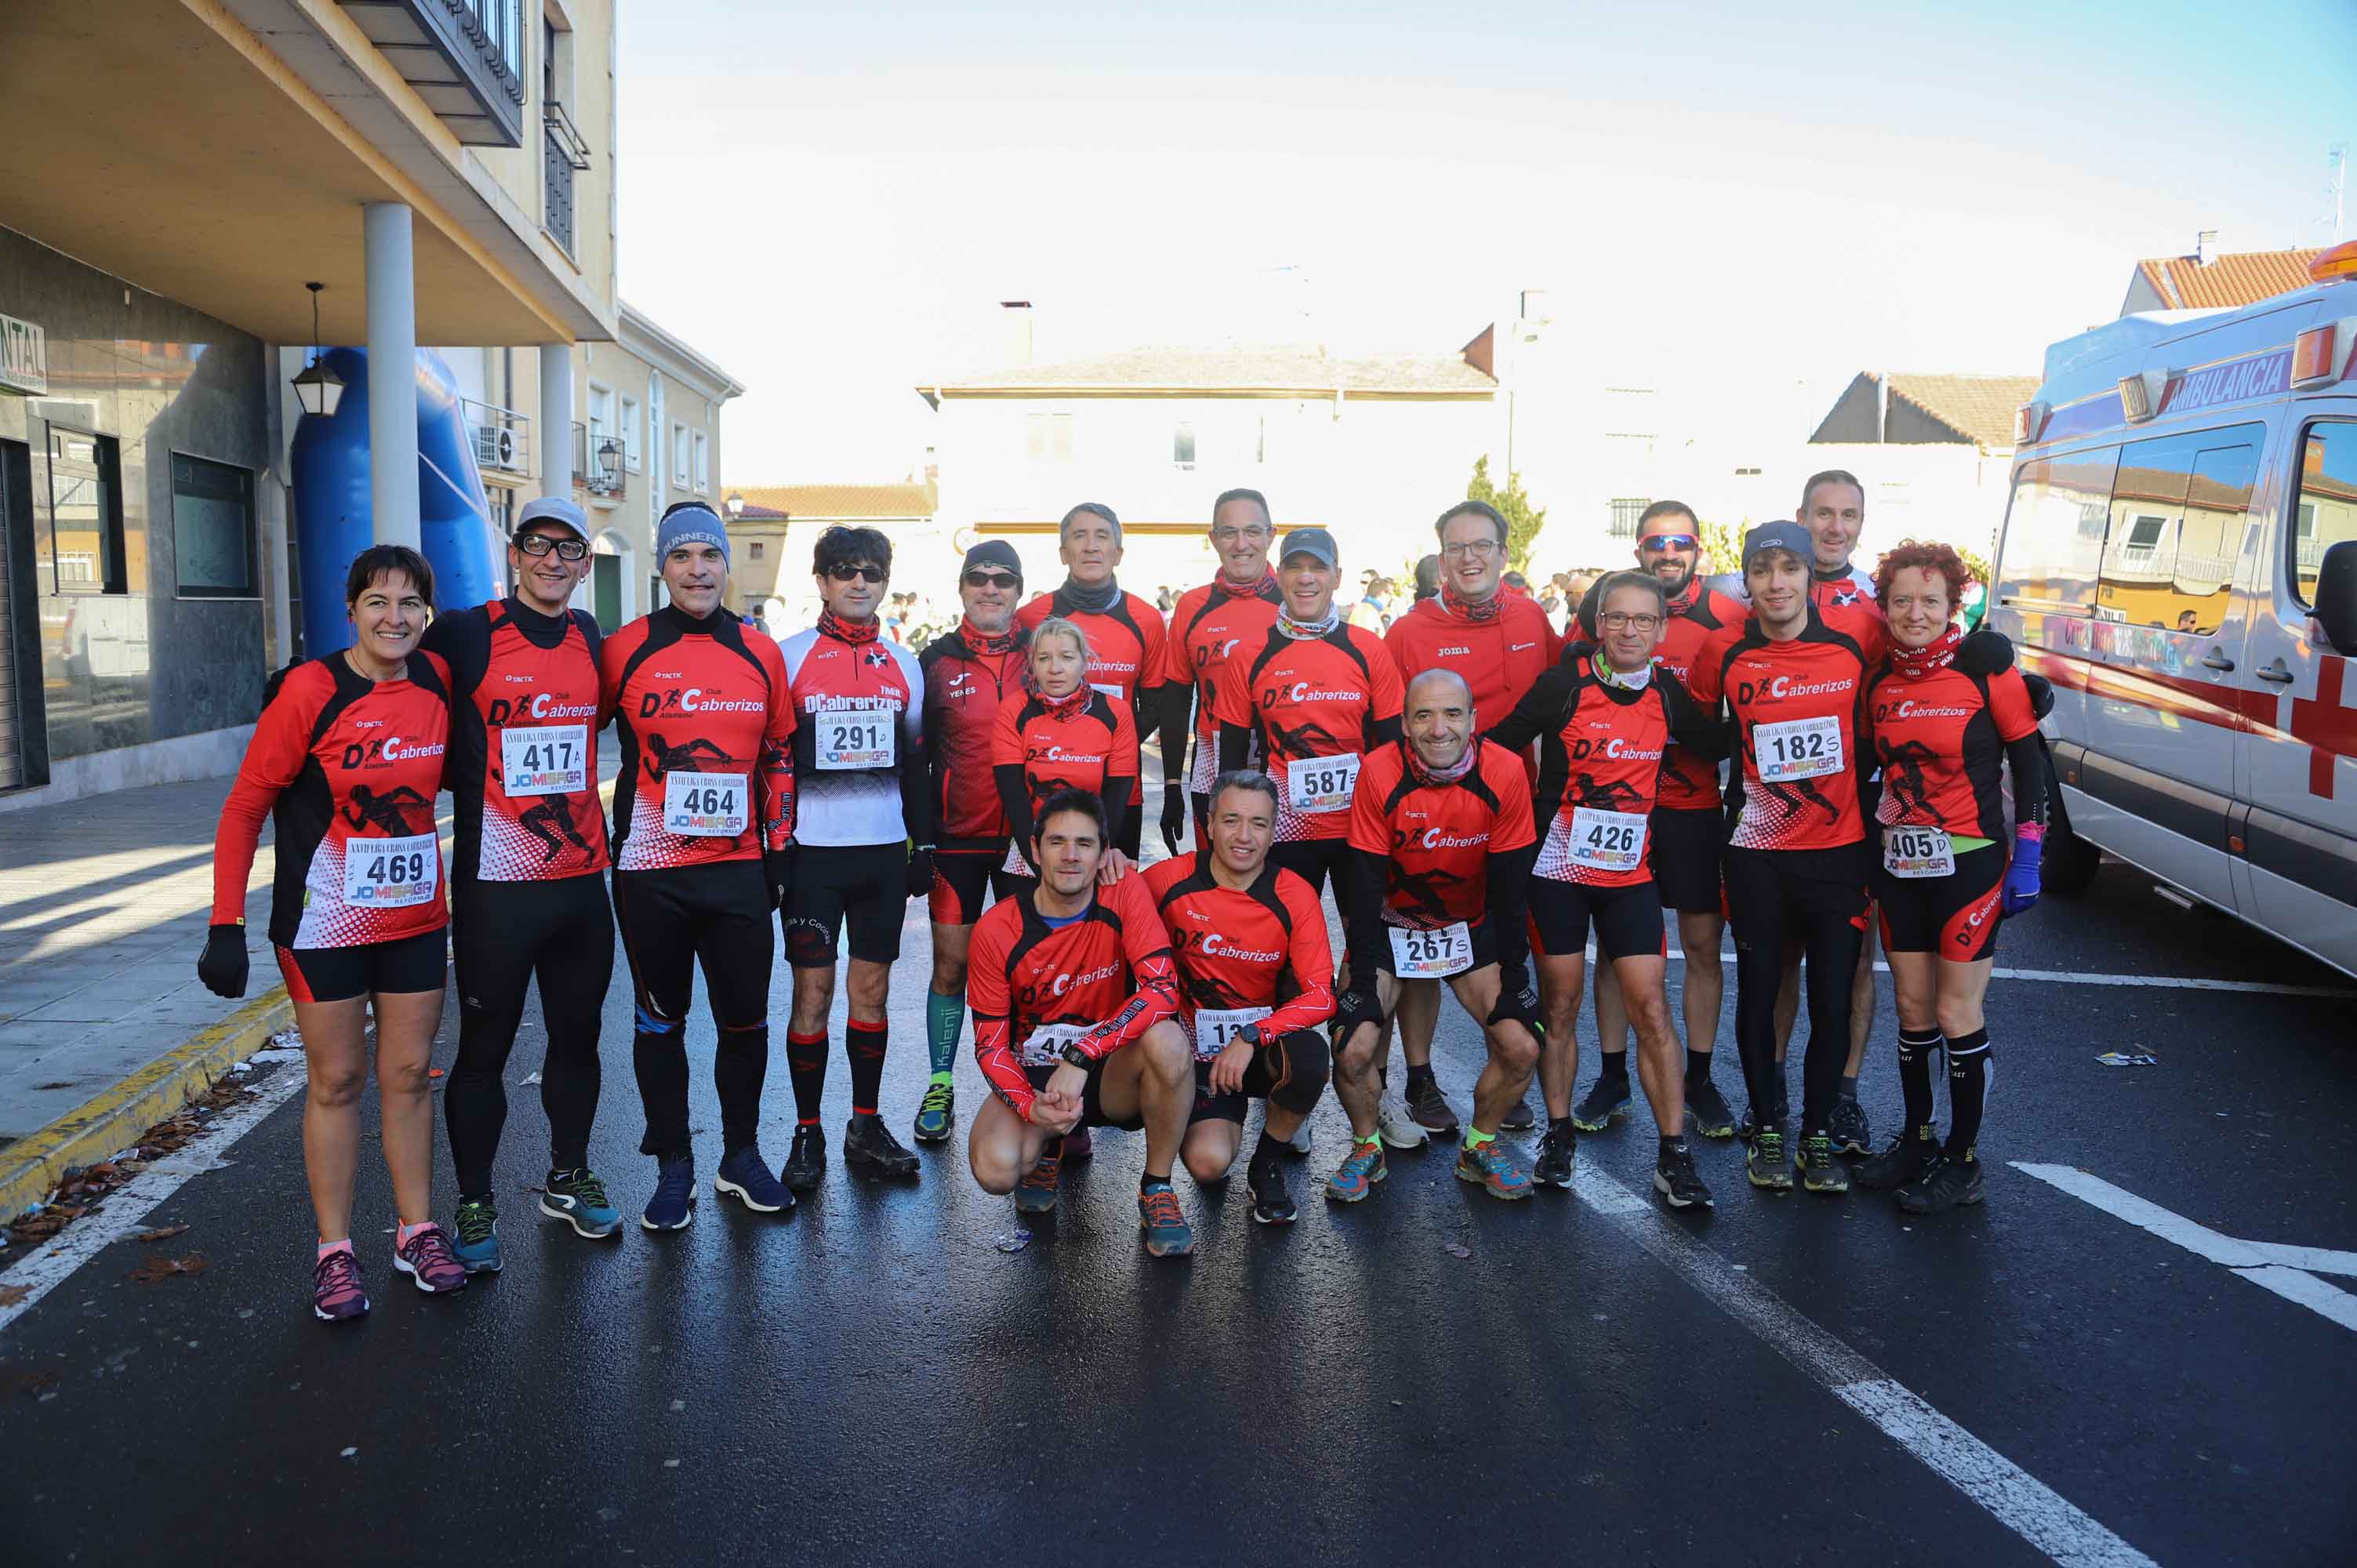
346, 760
1063, 734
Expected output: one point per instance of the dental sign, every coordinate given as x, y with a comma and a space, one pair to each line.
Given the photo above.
24, 357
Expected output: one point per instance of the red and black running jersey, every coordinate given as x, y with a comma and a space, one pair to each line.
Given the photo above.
1500, 658
1127, 657
1263, 946
1307, 699
1689, 783
1603, 749
964, 690
1941, 741
1796, 707
1107, 973
522, 767
1208, 624
1036, 747
1437, 839
347, 769
705, 735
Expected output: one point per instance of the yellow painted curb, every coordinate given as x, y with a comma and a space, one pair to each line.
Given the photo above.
32, 1166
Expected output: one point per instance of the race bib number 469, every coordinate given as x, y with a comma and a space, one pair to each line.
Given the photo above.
1798, 748
1315, 784
704, 805
545, 759
392, 874
856, 740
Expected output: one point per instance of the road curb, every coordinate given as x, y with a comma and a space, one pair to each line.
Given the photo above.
109, 1121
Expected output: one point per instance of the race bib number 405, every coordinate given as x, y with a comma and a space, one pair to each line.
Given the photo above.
1918, 852
704, 805
1798, 748
1431, 955
1608, 841
392, 874
1216, 1026
1315, 784
545, 759
856, 740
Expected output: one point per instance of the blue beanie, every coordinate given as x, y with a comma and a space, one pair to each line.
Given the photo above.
689, 522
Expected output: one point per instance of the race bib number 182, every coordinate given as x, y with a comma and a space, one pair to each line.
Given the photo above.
1798, 748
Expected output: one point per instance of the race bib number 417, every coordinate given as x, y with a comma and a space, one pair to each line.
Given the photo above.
545, 759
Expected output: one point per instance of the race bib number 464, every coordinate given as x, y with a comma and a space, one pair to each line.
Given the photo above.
704, 805
1315, 784
545, 759
1798, 748
392, 874
856, 740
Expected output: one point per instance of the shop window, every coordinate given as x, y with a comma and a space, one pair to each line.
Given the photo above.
212, 530
633, 443
85, 514
1182, 444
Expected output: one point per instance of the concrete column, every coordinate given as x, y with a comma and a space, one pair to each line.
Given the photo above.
556, 420
392, 373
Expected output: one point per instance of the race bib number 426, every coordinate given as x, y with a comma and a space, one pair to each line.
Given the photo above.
856, 740
392, 874
545, 759
704, 805
1798, 748
1608, 841
1315, 784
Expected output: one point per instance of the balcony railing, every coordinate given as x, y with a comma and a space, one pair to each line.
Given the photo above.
564, 155
502, 437
464, 58
597, 467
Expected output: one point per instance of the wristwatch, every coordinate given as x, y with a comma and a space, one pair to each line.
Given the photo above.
1079, 1057
1249, 1035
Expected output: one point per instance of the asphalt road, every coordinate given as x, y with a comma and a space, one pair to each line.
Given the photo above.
880, 1379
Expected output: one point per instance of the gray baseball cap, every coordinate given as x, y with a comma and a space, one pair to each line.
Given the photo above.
1789, 536
554, 509
1314, 542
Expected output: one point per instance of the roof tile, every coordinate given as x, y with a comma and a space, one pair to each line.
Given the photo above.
2238, 278
1981, 407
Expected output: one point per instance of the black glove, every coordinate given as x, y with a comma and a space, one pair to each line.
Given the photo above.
1518, 1000
1174, 818
1985, 652
2041, 694
778, 872
920, 871
1352, 1008
222, 967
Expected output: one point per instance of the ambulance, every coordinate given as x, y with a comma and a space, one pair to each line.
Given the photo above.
2180, 560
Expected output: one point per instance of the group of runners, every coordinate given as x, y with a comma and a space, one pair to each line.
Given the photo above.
1481, 798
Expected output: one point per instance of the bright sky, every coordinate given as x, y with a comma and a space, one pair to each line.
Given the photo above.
832, 204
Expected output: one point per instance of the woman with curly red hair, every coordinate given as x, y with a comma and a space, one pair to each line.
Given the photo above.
1944, 880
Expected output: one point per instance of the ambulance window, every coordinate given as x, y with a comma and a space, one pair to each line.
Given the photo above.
2325, 513
2176, 512
2054, 533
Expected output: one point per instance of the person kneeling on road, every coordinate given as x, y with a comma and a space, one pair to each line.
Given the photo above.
1072, 990
1440, 835
1255, 992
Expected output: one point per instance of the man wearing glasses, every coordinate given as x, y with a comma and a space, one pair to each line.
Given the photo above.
1232, 611
1501, 643
863, 842
527, 893
1688, 833
968, 672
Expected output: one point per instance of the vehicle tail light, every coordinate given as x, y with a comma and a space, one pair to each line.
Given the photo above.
2320, 355
2140, 395
2027, 421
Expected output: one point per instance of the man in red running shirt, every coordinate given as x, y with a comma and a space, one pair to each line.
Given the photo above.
1073, 991
1256, 989
1233, 610
1125, 634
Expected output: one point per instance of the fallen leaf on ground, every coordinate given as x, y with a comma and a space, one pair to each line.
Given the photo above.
154, 1269
1457, 1249
11, 1294
162, 1232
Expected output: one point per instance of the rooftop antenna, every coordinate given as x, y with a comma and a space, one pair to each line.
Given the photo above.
2336, 157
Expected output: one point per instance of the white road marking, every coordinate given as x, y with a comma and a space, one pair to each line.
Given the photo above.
2083, 977
127, 1208
2016, 1499
2270, 1265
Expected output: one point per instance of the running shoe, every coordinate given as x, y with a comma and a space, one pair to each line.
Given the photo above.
1908, 1160
1820, 1172
427, 1261
579, 1199
1949, 1184
1299, 1142
1848, 1129
1495, 1168
1676, 1180
1397, 1128
673, 1207
1079, 1145
1766, 1163
744, 1177
477, 1250
1430, 1110
1708, 1109
806, 1161
1518, 1117
1272, 1198
336, 1292
867, 1141
1036, 1193
1750, 1128
936, 1113
1357, 1174
1557, 1149
1609, 1098
1164, 1223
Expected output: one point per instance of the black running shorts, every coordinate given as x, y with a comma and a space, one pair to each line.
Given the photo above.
1684, 855
1955, 916
865, 884
1627, 919
398, 968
